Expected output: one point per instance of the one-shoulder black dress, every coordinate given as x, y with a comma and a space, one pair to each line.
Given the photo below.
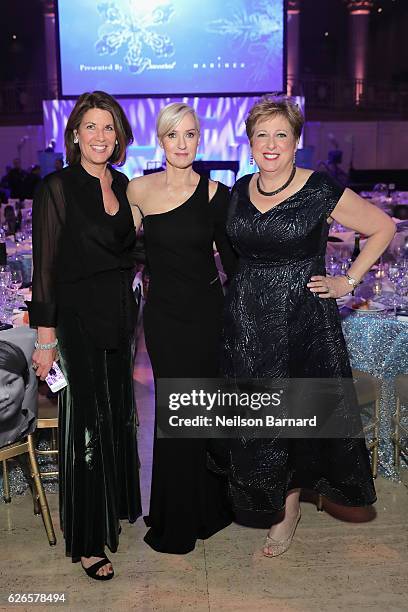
275, 327
182, 323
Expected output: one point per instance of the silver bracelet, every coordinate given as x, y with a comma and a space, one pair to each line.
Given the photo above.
46, 346
352, 281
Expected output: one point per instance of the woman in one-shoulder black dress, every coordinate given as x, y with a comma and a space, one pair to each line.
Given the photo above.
182, 323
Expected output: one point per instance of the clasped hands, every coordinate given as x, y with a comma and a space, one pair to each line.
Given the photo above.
329, 286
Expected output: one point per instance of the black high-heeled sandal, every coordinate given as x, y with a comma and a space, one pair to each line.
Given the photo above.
91, 571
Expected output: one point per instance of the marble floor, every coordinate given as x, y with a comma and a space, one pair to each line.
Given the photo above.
332, 564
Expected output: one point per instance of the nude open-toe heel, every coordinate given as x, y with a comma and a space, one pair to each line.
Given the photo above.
278, 547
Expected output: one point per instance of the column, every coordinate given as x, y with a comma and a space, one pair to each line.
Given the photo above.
50, 47
359, 15
292, 46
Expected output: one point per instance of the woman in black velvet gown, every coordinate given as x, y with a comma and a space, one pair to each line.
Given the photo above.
83, 255
282, 321
183, 214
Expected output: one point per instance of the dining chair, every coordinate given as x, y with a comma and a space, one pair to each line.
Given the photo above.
48, 419
26, 445
368, 391
400, 419
17, 440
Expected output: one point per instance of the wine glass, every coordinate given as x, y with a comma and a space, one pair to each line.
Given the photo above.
8, 305
377, 287
4, 282
5, 276
381, 270
345, 264
402, 287
332, 266
16, 279
394, 272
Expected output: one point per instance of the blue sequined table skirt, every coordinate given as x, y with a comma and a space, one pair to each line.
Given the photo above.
378, 344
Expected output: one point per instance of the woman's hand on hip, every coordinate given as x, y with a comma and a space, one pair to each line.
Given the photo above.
329, 286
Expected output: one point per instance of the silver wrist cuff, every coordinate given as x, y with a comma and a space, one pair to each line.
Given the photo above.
352, 281
46, 346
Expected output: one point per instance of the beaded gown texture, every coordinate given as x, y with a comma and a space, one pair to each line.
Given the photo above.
274, 327
182, 324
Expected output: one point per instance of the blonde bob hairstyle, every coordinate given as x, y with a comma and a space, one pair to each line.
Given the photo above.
171, 115
271, 105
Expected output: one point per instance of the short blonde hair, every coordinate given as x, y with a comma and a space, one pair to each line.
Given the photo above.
171, 115
271, 105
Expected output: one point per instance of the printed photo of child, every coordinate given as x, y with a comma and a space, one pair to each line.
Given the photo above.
15, 420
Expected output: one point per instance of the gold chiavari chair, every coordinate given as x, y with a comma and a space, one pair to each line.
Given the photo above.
368, 390
40, 499
48, 419
401, 414
22, 442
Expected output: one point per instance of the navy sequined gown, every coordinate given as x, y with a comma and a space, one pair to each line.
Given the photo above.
275, 327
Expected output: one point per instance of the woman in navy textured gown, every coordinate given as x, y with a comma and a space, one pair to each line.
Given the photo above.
282, 319
183, 214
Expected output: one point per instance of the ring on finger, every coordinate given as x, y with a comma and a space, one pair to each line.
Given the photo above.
35, 366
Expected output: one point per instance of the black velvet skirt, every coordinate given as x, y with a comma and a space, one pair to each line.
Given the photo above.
99, 465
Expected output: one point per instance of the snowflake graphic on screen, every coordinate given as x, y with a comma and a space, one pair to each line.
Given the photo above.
257, 29
135, 32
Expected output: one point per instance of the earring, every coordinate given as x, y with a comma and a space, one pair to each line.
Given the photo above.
116, 143
251, 160
76, 140
294, 157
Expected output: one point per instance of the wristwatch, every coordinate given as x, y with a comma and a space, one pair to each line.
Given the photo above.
352, 281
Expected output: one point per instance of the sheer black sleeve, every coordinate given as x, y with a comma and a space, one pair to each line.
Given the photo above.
48, 220
228, 256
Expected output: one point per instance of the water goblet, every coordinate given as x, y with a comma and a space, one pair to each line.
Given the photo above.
377, 287
402, 288
5, 275
16, 279
332, 266
344, 266
394, 272
9, 304
381, 271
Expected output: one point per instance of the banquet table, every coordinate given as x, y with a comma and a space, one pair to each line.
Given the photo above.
341, 243
23, 247
378, 344
24, 337
20, 255
394, 204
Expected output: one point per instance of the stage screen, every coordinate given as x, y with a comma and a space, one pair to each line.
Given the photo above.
171, 47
